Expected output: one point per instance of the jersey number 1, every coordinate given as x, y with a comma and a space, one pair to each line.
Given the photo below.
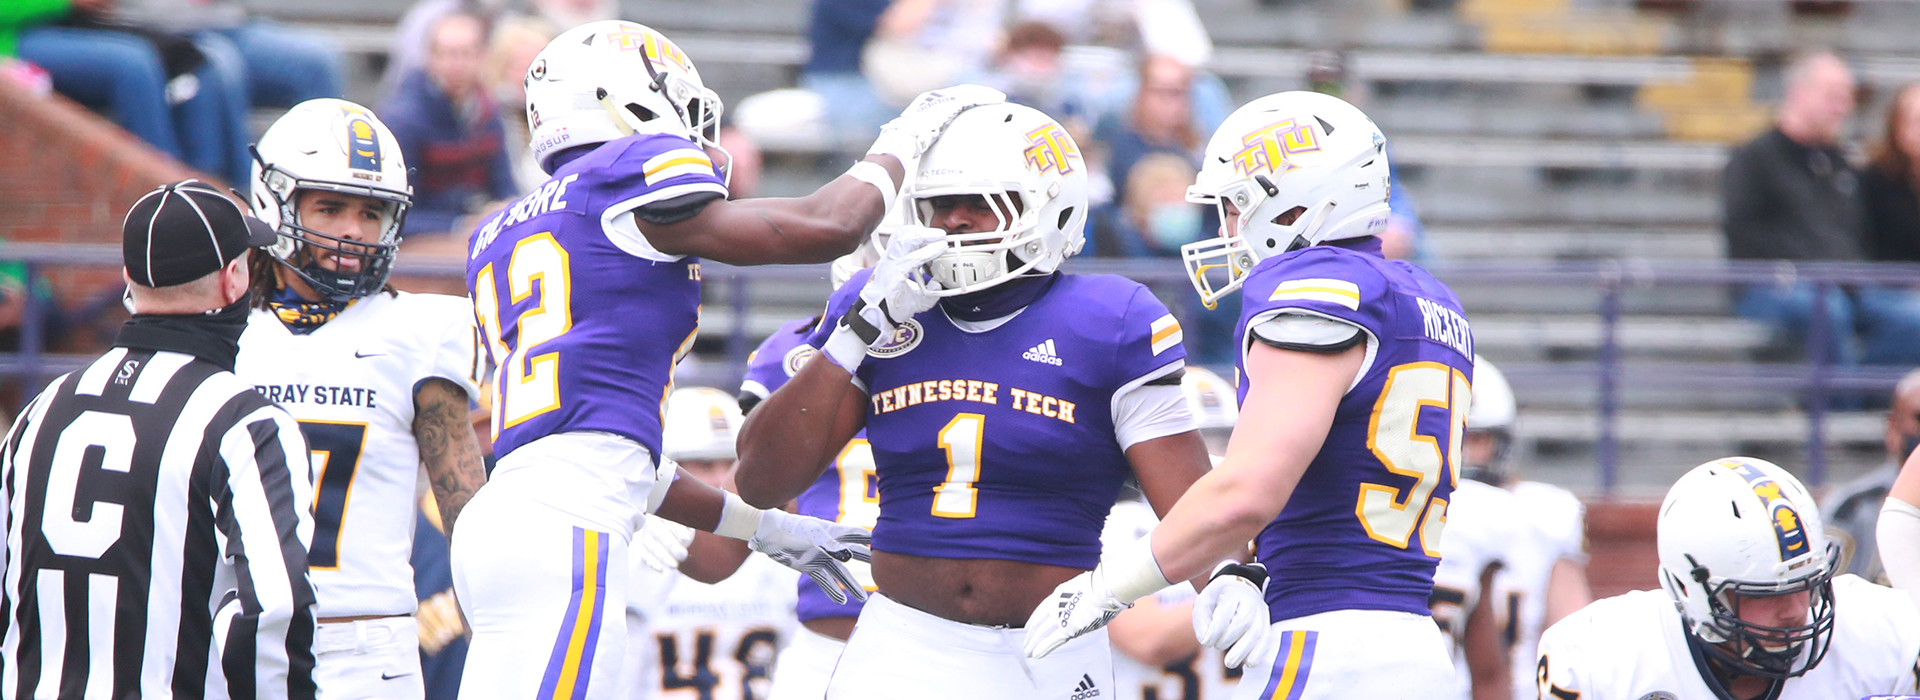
1391, 514
525, 386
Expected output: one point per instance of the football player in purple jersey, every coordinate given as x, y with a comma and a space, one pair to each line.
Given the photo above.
1005, 404
587, 293
1354, 382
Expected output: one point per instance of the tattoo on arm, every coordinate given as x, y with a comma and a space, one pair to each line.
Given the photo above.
447, 446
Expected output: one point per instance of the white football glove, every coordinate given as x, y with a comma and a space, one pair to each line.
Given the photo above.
915, 130
1231, 613
892, 296
661, 544
817, 548
1081, 605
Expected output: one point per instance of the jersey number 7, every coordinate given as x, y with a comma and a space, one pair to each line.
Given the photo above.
1388, 513
335, 449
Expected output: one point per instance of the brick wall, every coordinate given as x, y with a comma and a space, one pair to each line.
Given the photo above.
1620, 539
69, 176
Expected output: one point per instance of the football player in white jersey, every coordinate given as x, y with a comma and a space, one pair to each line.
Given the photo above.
1156, 653
1751, 607
1545, 573
1466, 600
695, 640
379, 380
1897, 534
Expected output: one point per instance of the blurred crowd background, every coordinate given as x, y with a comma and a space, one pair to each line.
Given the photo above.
1661, 137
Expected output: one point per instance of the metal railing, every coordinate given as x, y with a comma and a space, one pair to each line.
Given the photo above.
1815, 378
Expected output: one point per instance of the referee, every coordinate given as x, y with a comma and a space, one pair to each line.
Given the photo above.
156, 506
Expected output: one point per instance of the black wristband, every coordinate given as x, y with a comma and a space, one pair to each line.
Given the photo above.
1251, 571
864, 329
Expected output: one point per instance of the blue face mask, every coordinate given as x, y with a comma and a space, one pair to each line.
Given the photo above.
1171, 225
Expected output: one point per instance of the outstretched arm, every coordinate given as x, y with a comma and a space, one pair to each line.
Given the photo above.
816, 228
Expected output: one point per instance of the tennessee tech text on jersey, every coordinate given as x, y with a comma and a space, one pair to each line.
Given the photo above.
584, 318
350, 384
985, 454
847, 492
1362, 529
1633, 647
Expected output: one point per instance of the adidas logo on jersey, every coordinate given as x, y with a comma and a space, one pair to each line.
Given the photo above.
1085, 690
1042, 353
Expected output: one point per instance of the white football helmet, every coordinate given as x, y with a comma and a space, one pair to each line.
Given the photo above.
1492, 413
1739, 528
701, 423
335, 146
1304, 151
611, 79
1020, 160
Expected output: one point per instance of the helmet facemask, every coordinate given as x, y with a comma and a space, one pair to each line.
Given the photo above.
299, 247
1752, 649
1492, 469
697, 106
1249, 204
980, 260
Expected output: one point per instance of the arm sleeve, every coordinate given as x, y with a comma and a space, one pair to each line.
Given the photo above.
263, 517
1339, 288
456, 357
1307, 333
659, 179
1151, 411
1558, 666
1898, 537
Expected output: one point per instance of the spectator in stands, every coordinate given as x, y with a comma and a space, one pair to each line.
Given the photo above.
1854, 507
450, 130
258, 63
1157, 218
159, 88
921, 45
1028, 69
1791, 195
516, 41
1405, 237
838, 31
1891, 181
743, 162
1161, 121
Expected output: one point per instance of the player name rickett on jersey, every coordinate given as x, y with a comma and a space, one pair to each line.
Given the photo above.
318, 395
917, 393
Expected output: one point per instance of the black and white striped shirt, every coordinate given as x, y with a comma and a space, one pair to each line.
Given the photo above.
157, 527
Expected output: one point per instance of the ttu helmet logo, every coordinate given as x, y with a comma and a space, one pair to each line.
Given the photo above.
1788, 528
653, 46
1049, 148
1266, 149
363, 146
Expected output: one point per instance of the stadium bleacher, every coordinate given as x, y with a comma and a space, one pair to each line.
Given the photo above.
1529, 131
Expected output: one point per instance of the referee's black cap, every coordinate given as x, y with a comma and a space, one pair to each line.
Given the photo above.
181, 232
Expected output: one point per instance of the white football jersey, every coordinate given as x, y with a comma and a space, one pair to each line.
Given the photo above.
1553, 527
350, 384
705, 641
1203, 677
1632, 647
1480, 530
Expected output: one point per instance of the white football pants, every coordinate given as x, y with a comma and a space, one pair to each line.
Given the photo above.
368, 660
804, 666
1347, 654
899, 653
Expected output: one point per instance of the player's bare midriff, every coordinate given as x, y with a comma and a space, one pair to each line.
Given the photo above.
993, 592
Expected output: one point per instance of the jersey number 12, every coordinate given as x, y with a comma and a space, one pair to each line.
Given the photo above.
526, 385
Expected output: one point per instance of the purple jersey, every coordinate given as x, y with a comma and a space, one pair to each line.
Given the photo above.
1362, 529
1000, 444
584, 319
846, 492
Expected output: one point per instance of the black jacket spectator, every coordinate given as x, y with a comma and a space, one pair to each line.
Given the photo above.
1788, 201
1893, 217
